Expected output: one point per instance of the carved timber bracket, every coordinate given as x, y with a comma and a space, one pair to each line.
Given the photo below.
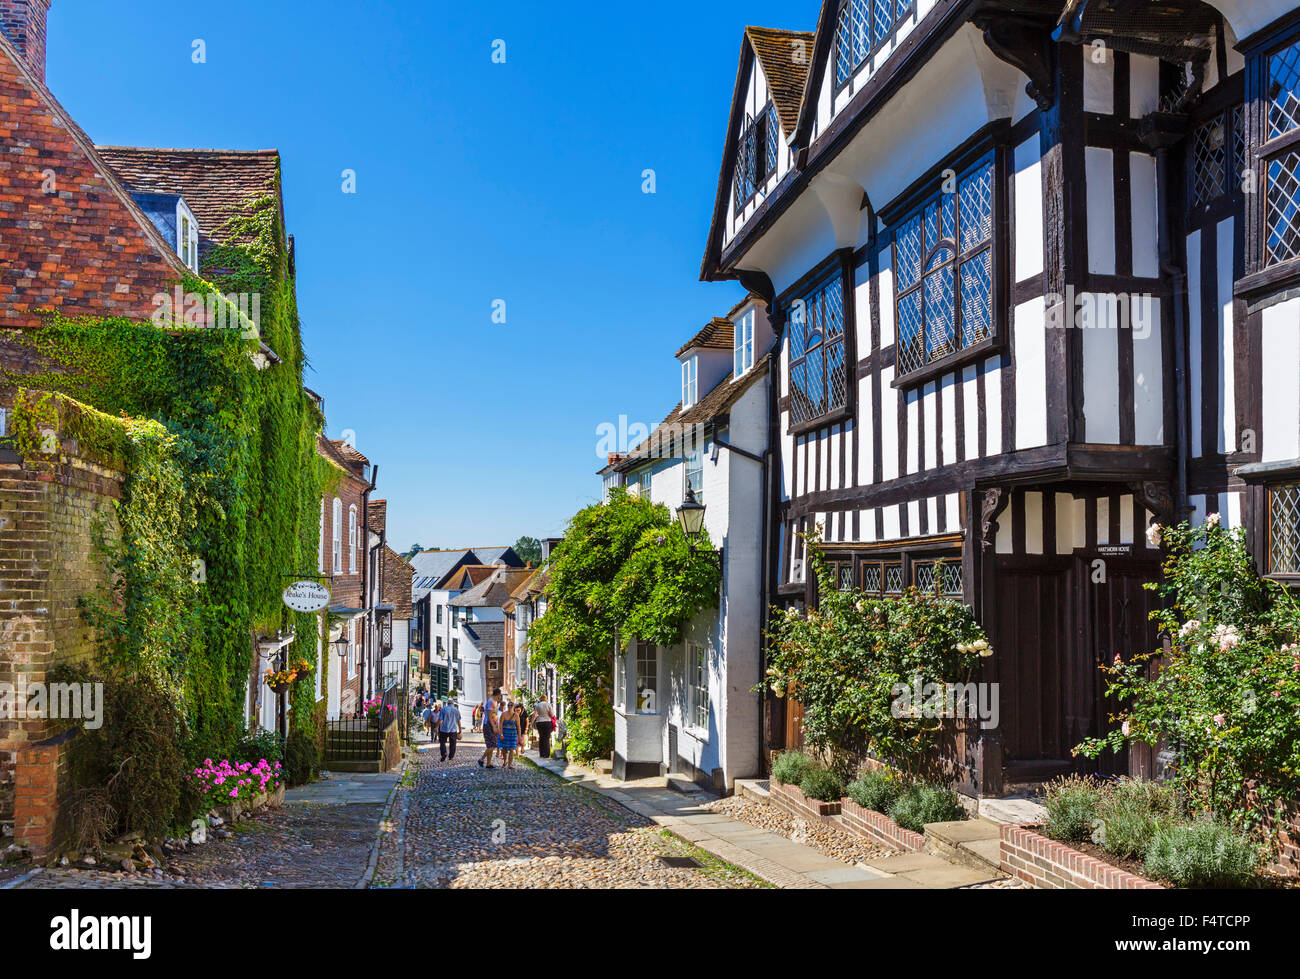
994, 502
1023, 45
1156, 497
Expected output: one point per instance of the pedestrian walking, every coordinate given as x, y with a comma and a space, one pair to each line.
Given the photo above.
491, 728
427, 717
478, 718
522, 716
544, 720
448, 730
508, 743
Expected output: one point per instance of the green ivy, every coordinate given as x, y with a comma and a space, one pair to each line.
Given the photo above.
221, 466
623, 570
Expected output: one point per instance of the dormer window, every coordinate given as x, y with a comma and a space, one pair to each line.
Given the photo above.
744, 343
756, 155
862, 28
690, 382
187, 236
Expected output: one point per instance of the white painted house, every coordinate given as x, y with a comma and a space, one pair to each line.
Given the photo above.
691, 708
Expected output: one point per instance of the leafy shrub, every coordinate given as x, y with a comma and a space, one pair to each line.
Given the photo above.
1234, 642
789, 768
591, 735
301, 760
262, 745
135, 757
1131, 811
854, 661
876, 790
921, 803
1202, 854
1072, 803
821, 784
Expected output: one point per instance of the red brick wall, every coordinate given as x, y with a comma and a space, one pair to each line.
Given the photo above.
877, 826
23, 22
1046, 863
792, 800
47, 563
39, 773
68, 241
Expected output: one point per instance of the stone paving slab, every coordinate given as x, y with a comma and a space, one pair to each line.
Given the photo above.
844, 875
880, 884
346, 790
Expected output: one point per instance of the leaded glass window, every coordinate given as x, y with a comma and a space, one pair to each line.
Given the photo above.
818, 371
882, 577
862, 27
1280, 156
1284, 529
756, 155
1216, 157
943, 266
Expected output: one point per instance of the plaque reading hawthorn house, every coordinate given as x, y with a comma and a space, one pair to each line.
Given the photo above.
307, 596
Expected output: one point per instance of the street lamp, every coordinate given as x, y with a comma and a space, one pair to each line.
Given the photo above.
341, 646
691, 517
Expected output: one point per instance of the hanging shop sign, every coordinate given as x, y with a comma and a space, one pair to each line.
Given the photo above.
307, 596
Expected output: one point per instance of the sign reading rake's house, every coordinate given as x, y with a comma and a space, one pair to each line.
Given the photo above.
307, 596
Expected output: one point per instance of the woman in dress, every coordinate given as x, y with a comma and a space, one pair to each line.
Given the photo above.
508, 740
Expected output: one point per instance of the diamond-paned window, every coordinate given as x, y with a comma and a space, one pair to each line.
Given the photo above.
862, 27
1284, 529
943, 261
1279, 155
923, 576
1209, 161
950, 580
756, 156
818, 365
872, 579
893, 579
1282, 208
1284, 91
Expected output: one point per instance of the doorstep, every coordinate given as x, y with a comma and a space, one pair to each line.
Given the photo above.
972, 843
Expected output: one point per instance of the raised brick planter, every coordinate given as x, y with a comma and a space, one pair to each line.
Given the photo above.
1044, 862
879, 827
792, 800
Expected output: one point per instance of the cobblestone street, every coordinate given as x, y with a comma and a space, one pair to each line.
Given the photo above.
462, 826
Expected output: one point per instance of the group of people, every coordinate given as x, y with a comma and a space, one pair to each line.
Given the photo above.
442, 717
505, 728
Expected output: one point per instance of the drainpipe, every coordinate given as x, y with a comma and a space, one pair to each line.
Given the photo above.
1161, 131
364, 529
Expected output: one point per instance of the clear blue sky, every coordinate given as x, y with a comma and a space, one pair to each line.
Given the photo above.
476, 182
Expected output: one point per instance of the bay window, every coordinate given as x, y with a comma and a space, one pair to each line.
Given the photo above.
943, 267
1279, 155
818, 358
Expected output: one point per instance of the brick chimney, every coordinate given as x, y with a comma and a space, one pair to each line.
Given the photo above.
23, 22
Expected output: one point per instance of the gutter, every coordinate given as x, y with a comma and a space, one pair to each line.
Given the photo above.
365, 567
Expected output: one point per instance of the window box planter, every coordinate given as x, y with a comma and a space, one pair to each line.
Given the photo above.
878, 827
792, 800
1043, 862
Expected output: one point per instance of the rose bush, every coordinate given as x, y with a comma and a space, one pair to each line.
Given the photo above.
1224, 691
847, 660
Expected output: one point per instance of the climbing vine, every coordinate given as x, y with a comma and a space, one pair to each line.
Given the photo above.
221, 501
622, 571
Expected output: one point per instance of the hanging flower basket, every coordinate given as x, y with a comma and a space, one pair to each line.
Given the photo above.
280, 681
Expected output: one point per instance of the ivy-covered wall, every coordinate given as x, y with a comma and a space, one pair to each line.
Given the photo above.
239, 479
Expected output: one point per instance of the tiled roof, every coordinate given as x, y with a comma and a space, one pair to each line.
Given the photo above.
493, 592
432, 566
785, 57
466, 577
377, 516
334, 452
217, 184
718, 333
489, 638
88, 250
397, 584
717, 402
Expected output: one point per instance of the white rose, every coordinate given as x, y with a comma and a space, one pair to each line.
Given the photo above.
1212, 520
1153, 535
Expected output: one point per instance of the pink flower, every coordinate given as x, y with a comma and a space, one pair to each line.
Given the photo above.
234, 793
1218, 720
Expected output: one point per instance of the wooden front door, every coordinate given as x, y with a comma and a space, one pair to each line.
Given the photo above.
1118, 624
1030, 624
